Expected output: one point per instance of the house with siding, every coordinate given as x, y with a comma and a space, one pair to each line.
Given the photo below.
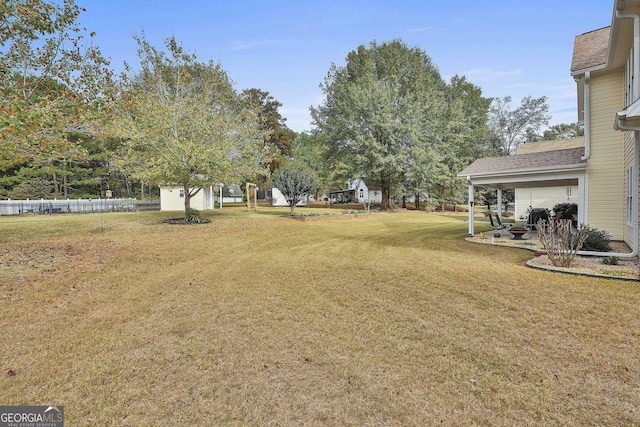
356, 191
605, 66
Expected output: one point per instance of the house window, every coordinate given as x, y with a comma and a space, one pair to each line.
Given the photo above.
361, 193
629, 76
630, 210
182, 194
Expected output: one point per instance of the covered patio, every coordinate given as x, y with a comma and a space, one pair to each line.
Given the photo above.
541, 169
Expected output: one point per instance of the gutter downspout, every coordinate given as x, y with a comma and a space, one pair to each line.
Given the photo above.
587, 117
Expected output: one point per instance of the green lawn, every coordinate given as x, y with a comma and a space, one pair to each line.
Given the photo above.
256, 319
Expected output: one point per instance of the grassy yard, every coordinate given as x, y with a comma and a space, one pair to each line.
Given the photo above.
256, 319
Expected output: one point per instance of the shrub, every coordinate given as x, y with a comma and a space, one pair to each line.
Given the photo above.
561, 240
597, 241
610, 260
194, 216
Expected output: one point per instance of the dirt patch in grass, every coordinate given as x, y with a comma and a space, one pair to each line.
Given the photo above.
256, 320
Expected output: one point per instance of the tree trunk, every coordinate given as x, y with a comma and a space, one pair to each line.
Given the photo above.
404, 202
187, 203
65, 187
417, 202
56, 187
385, 185
385, 205
292, 205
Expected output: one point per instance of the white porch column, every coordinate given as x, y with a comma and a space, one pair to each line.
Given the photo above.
499, 207
583, 203
220, 199
471, 204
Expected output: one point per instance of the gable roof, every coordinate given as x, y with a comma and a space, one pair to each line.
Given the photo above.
550, 145
545, 160
590, 49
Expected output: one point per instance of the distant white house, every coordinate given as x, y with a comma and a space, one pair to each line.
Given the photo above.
278, 199
172, 198
233, 194
356, 192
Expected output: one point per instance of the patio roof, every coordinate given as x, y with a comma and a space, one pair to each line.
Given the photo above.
540, 169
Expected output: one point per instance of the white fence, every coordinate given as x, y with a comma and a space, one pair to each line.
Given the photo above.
49, 207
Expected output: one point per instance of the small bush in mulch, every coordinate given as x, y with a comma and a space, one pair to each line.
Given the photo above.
610, 260
184, 221
597, 241
193, 217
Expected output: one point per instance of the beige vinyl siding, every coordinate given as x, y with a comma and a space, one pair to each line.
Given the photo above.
606, 171
170, 199
629, 156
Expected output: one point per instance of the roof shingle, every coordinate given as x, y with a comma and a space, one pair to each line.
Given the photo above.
525, 162
590, 49
555, 144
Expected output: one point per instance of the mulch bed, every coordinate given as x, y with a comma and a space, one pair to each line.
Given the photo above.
592, 266
185, 222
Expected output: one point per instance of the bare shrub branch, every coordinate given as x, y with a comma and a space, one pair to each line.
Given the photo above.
561, 240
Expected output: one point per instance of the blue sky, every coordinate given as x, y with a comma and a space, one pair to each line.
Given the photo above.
515, 48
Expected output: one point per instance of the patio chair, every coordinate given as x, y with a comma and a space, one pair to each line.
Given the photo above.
501, 226
491, 219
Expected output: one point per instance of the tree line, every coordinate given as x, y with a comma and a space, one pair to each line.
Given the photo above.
71, 127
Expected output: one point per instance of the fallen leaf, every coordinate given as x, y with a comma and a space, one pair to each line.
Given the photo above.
11, 373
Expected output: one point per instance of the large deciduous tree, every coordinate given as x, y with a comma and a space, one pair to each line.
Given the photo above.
53, 83
278, 137
465, 137
563, 131
382, 109
183, 123
515, 126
